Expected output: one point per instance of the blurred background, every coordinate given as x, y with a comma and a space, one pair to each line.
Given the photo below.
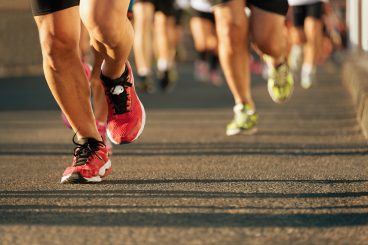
20, 55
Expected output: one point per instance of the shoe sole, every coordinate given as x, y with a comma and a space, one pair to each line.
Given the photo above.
242, 132
77, 178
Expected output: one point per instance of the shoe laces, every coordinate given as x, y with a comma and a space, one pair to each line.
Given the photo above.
83, 152
117, 93
279, 75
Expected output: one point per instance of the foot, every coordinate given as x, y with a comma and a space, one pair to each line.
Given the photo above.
216, 78
146, 84
244, 122
90, 163
201, 71
280, 83
308, 78
126, 114
167, 79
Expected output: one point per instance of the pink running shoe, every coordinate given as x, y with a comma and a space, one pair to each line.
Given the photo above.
102, 130
91, 163
126, 114
65, 121
101, 127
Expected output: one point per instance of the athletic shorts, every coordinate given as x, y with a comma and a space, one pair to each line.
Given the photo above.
274, 6
42, 7
204, 15
300, 12
164, 6
130, 10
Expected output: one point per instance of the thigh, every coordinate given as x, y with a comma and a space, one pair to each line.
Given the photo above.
59, 28
266, 26
230, 12
104, 14
42, 7
201, 28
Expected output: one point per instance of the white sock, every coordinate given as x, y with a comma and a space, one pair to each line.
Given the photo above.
308, 69
296, 49
143, 72
163, 65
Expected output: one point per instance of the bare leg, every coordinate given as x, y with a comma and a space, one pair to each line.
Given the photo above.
204, 34
269, 34
165, 49
143, 25
98, 92
59, 35
111, 32
232, 29
85, 47
313, 33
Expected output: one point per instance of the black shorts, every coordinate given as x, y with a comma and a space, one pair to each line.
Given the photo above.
300, 12
273, 6
41, 7
166, 7
204, 15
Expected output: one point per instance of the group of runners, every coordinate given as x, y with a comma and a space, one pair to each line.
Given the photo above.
224, 31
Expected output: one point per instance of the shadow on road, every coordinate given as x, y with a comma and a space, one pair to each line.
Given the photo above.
197, 149
136, 216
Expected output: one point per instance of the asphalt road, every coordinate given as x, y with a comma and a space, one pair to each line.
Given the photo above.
302, 179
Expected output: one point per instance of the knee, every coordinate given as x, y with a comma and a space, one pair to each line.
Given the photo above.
56, 47
231, 34
274, 46
211, 43
313, 29
105, 29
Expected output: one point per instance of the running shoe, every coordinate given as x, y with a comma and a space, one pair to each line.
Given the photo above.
90, 163
244, 122
126, 114
201, 71
65, 121
167, 79
216, 78
101, 127
280, 83
146, 84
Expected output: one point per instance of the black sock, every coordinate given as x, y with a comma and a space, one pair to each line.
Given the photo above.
213, 61
202, 55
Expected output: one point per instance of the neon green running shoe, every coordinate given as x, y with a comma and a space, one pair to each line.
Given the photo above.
280, 83
244, 122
